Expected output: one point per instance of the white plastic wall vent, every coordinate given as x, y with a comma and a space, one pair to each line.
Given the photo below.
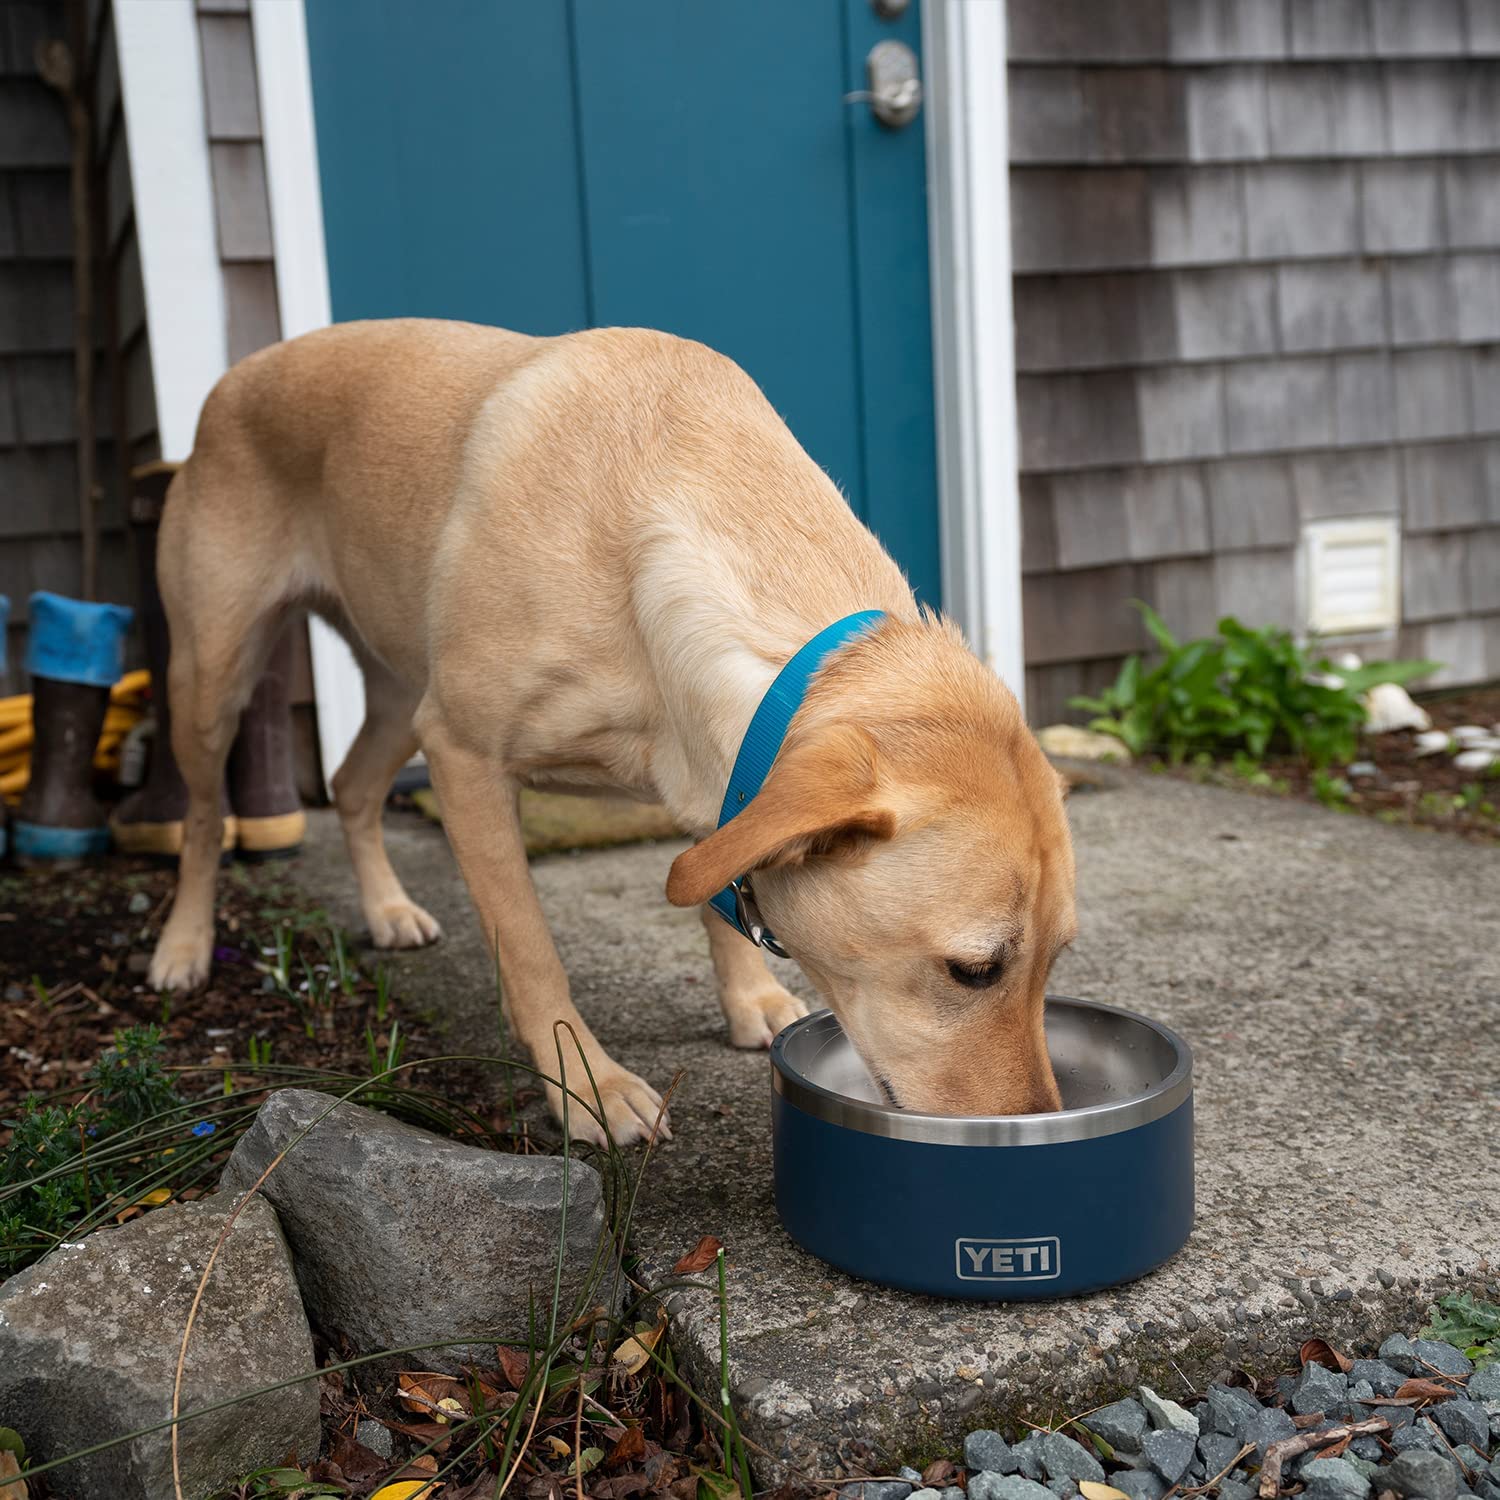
1351, 572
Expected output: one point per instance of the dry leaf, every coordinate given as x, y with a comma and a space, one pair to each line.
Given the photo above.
17, 1488
439, 1396
938, 1472
559, 1448
1424, 1390
629, 1446
155, 1198
700, 1257
1321, 1352
407, 1489
514, 1365
1091, 1489
635, 1352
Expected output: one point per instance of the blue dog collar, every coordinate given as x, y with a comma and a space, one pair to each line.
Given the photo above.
758, 752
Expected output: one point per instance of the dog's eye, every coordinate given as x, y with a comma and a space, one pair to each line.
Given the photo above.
972, 978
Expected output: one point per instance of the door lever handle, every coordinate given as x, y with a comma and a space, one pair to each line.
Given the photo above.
895, 91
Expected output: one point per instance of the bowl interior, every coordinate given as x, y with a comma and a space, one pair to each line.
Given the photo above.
1100, 1056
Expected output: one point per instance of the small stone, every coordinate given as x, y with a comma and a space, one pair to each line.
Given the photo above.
1414, 1437
1270, 1426
137, 905
1485, 1383
1471, 1458
1318, 1389
1362, 1390
1333, 1479
987, 1486
1122, 1425
1170, 1452
376, 1436
1071, 742
1064, 1488
1218, 1450
1233, 1489
1432, 741
1469, 734
1463, 1421
878, 1489
986, 1449
1139, 1484
1167, 1414
1363, 768
1368, 1467
1442, 1357
1062, 1458
1028, 1456
1429, 1475
1366, 1447
1230, 1409
1477, 758
931, 1494
1399, 1352
912, 1476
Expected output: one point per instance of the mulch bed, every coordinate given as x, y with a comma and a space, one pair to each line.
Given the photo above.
1424, 790
74, 948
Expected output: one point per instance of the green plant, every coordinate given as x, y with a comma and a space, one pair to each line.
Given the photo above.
1331, 789
1242, 690
1464, 1321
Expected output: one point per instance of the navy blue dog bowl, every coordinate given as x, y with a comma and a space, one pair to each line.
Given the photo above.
999, 1207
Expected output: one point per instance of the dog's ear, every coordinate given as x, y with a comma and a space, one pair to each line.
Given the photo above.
819, 800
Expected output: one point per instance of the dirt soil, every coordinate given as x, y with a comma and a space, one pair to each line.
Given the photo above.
1426, 790
75, 945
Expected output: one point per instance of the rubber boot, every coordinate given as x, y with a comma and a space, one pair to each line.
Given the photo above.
75, 652
149, 821
262, 768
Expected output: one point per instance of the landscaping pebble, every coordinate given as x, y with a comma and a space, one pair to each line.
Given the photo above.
1485, 1384
400, 1237
1415, 1356
1217, 1450
1421, 1473
1383, 1379
878, 1489
1064, 1488
1334, 1479
376, 1436
1229, 1410
1062, 1458
1170, 1452
1318, 1389
987, 1486
1028, 1456
1167, 1413
89, 1341
1463, 1421
1270, 1426
1140, 1484
985, 1449
1122, 1425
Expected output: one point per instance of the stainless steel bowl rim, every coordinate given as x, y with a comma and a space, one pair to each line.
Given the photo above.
1084, 1124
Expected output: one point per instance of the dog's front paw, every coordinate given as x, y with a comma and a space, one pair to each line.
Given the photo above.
630, 1105
402, 924
755, 1019
180, 963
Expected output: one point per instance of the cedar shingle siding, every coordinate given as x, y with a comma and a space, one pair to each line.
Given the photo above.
1257, 282
39, 540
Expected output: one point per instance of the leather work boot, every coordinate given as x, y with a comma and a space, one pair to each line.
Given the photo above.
149, 820
75, 652
262, 768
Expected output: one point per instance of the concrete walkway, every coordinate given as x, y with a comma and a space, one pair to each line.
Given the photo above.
1339, 981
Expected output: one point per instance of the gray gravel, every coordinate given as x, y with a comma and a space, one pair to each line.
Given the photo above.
1446, 1449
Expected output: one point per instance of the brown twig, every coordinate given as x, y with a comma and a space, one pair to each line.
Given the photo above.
1458, 1380
1208, 1484
1439, 1434
1305, 1442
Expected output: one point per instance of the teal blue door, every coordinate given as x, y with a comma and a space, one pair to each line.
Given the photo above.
690, 165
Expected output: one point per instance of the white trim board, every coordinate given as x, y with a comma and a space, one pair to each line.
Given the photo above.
291, 143
973, 329
161, 88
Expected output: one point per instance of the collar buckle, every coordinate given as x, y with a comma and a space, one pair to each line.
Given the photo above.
749, 920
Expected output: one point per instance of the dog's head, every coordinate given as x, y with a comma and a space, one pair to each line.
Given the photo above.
911, 852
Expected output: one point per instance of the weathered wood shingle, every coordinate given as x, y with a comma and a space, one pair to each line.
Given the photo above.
1256, 249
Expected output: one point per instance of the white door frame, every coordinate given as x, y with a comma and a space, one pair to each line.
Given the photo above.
967, 140
295, 188
973, 327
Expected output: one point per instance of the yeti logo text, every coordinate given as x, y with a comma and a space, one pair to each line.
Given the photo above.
1038, 1259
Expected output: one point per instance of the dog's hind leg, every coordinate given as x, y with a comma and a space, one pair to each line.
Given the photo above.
755, 1003
221, 635
385, 742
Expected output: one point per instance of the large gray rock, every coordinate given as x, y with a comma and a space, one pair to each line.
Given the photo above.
1122, 1424
1421, 1473
400, 1237
1334, 1479
88, 1351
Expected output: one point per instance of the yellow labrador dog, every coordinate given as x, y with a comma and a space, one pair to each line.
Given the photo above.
577, 563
